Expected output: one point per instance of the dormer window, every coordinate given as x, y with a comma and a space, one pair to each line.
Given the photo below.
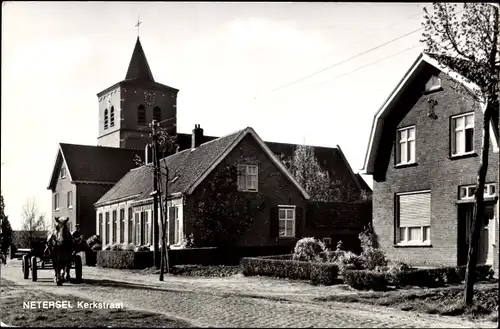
141, 115
405, 146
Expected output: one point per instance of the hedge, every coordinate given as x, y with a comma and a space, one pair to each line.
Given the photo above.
124, 259
365, 280
323, 273
432, 277
436, 277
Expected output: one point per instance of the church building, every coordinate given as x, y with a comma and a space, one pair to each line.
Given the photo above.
83, 174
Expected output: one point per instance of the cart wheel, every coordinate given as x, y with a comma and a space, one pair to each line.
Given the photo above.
26, 266
78, 268
33, 268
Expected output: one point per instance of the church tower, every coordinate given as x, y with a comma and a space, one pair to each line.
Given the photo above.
127, 108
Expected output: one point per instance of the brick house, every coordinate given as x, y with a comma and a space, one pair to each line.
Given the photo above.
84, 173
124, 213
423, 155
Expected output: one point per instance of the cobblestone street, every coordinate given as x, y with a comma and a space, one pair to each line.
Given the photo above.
204, 308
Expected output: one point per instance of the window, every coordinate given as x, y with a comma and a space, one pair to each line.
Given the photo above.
146, 223
56, 202
106, 119
130, 225
106, 228
122, 225
63, 172
462, 134
327, 241
286, 217
137, 238
99, 226
467, 192
69, 199
157, 114
248, 177
433, 84
405, 148
141, 115
175, 222
112, 116
414, 218
113, 230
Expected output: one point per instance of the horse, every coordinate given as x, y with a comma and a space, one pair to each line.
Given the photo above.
60, 245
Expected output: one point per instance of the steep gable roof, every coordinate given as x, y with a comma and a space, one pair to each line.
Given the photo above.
423, 62
138, 67
93, 164
187, 169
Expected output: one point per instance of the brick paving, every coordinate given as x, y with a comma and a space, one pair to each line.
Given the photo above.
204, 308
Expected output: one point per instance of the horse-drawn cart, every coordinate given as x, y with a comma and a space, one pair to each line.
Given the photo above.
38, 259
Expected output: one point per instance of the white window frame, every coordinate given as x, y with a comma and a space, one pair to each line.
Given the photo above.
327, 241
425, 230
403, 142
463, 129
177, 225
288, 221
56, 202
470, 190
69, 199
433, 84
63, 172
245, 171
122, 226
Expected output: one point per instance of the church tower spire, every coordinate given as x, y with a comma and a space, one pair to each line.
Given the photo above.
138, 69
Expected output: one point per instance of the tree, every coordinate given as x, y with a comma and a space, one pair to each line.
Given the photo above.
305, 168
222, 214
6, 229
469, 45
33, 221
163, 145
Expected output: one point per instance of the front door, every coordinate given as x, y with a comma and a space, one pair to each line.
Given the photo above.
485, 248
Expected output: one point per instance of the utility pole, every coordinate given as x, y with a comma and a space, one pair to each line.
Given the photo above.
155, 195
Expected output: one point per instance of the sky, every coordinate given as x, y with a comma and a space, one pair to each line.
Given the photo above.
270, 66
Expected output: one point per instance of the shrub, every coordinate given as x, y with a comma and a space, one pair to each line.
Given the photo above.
309, 250
116, 247
124, 259
141, 248
322, 273
188, 241
395, 272
291, 269
365, 280
128, 247
199, 270
370, 256
348, 261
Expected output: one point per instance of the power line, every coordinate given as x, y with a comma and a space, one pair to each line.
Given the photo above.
365, 66
346, 60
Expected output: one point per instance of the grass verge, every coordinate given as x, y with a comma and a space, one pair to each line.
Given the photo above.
13, 313
443, 301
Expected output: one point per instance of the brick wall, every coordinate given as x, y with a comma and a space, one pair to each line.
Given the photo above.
273, 187
63, 186
434, 171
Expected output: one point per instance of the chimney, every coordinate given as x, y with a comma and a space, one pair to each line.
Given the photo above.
196, 137
148, 154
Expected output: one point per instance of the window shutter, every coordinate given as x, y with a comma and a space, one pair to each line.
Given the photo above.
415, 210
299, 221
273, 222
171, 225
